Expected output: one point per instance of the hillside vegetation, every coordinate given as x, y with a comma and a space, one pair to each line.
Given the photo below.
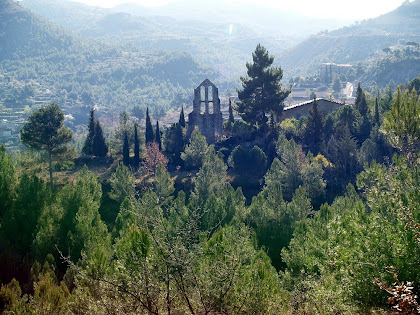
43, 62
354, 43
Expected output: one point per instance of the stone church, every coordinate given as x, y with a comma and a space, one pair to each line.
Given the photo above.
206, 114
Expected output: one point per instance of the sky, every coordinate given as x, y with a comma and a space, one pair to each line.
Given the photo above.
348, 9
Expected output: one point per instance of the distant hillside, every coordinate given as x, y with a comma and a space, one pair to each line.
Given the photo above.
395, 64
354, 43
41, 62
220, 34
274, 21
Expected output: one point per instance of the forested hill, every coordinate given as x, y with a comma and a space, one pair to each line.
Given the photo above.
355, 43
219, 43
44, 62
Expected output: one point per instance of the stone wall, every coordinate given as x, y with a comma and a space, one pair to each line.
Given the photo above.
206, 114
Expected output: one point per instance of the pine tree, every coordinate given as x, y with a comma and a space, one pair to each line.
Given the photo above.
360, 102
158, 136
149, 128
261, 90
314, 128
45, 131
182, 118
136, 147
126, 150
231, 118
88, 147
99, 147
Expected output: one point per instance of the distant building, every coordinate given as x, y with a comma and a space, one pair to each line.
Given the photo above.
206, 114
302, 109
329, 69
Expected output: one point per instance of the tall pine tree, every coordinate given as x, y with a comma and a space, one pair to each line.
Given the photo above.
99, 146
182, 118
126, 150
136, 147
158, 136
88, 147
261, 90
149, 128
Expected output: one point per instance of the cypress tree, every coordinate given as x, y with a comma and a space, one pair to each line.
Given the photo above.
126, 150
174, 143
182, 118
231, 118
376, 112
88, 146
314, 128
360, 103
99, 147
149, 128
136, 147
158, 137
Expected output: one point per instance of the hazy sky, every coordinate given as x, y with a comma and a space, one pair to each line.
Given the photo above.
349, 9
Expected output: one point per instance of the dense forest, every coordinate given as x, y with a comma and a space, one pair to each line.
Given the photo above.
312, 215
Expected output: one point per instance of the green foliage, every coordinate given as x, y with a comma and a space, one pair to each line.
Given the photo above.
376, 113
289, 165
312, 179
360, 102
73, 223
231, 117
136, 160
252, 161
258, 159
359, 244
8, 181
182, 118
343, 155
314, 128
158, 139
126, 151
401, 123
99, 146
234, 276
274, 219
126, 218
20, 222
125, 127
261, 91
45, 131
195, 151
174, 144
211, 179
415, 85
163, 185
88, 146
242, 130
122, 184
48, 296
